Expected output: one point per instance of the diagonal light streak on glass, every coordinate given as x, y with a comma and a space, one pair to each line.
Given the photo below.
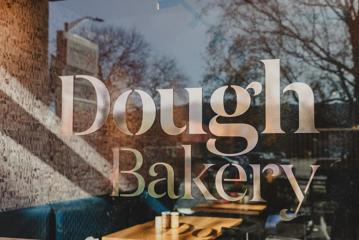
57, 186
12, 87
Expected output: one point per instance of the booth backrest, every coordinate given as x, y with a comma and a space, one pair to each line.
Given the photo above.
89, 217
78, 219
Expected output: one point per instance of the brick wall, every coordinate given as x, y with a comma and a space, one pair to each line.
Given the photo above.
37, 165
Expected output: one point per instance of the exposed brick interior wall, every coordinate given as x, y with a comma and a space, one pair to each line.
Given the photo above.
37, 166
24, 40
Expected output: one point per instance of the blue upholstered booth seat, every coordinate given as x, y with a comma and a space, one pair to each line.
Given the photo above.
69, 220
33, 223
89, 217
78, 219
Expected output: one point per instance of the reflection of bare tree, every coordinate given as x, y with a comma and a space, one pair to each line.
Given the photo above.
126, 59
317, 41
163, 72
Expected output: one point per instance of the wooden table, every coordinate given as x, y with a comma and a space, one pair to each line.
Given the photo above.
191, 228
231, 208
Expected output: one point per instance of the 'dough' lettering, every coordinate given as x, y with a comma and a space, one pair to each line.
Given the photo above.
243, 130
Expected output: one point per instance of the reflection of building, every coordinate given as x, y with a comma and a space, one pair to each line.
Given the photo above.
75, 55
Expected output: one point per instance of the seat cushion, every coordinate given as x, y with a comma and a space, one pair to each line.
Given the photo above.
32, 223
